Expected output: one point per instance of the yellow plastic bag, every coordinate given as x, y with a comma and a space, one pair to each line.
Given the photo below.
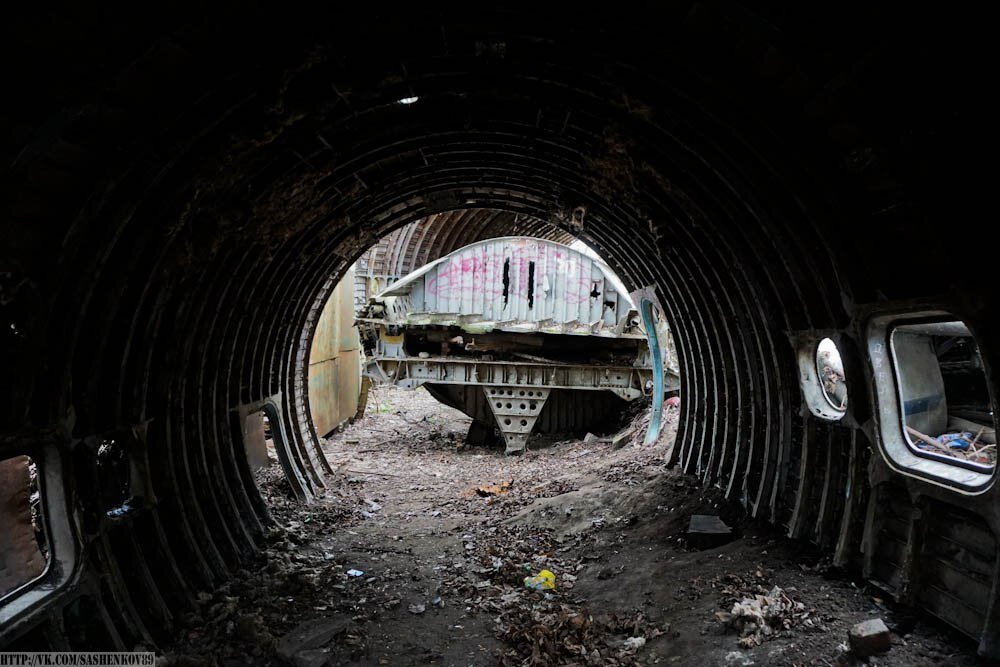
543, 581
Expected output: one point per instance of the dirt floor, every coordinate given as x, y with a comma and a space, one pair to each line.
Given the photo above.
418, 552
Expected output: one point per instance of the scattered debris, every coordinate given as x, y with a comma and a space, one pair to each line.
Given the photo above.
487, 491
312, 658
609, 525
553, 633
986, 434
543, 581
355, 573
634, 643
309, 635
370, 472
738, 658
869, 637
622, 438
960, 445
759, 617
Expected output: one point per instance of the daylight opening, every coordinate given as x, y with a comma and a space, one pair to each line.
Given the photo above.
531, 338
830, 368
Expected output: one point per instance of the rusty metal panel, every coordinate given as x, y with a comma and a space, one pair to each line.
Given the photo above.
342, 301
348, 384
335, 361
254, 440
20, 558
335, 331
334, 387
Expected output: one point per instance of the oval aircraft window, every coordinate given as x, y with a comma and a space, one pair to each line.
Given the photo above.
830, 369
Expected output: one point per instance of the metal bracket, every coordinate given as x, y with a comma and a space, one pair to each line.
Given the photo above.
516, 410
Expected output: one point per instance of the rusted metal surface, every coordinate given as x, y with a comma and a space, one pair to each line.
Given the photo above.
627, 382
21, 560
335, 388
335, 361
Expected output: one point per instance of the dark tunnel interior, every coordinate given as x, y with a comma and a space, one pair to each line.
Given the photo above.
184, 190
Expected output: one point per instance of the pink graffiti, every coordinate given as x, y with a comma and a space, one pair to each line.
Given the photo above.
463, 276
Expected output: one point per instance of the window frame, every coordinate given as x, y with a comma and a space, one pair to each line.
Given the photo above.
810, 382
893, 443
40, 480
62, 544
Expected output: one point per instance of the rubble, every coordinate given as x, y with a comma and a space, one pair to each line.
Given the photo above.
964, 445
634, 643
622, 438
610, 525
870, 637
550, 633
309, 635
493, 489
312, 658
759, 617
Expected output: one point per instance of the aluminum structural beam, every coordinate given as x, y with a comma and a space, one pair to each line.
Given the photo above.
625, 381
